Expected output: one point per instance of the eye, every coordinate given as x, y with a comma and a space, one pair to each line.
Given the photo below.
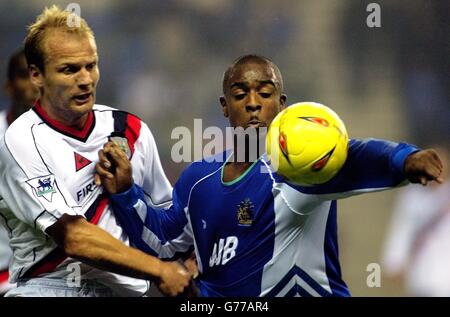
91, 66
69, 69
239, 96
265, 94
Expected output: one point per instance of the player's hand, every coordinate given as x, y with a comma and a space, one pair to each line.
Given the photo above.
175, 280
114, 170
191, 265
424, 166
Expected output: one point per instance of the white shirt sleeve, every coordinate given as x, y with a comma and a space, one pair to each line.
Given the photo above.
29, 186
155, 183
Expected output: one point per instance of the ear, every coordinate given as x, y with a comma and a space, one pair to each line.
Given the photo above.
36, 76
223, 102
283, 99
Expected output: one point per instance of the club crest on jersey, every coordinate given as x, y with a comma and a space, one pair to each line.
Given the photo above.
244, 213
123, 144
43, 186
80, 161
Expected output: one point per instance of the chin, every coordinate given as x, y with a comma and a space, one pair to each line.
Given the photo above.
81, 110
84, 107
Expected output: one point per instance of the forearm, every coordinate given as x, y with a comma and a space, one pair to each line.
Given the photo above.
96, 247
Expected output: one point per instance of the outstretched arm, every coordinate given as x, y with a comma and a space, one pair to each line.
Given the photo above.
374, 165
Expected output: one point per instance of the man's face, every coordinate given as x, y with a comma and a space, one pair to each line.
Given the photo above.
21, 90
71, 74
252, 96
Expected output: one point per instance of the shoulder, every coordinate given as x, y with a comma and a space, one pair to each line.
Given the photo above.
104, 108
24, 144
125, 123
201, 169
19, 134
117, 114
25, 121
101, 108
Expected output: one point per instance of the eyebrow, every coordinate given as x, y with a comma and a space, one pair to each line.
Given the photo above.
244, 84
76, 64
69, 61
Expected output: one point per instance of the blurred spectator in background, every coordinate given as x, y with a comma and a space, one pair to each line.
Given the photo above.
22, 95
417, 250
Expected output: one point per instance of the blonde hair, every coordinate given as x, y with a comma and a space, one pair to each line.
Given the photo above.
56, 18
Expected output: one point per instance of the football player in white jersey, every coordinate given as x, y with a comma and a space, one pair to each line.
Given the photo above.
22, 94
65, 239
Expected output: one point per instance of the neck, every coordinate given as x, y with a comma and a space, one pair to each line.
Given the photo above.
64, 117
233, 170
243, 159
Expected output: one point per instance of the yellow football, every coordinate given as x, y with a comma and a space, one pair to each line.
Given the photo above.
307, 143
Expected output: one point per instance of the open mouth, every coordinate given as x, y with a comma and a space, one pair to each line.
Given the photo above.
82, 99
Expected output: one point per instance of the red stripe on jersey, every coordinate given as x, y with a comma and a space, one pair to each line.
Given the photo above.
57, 256
58, 126
99, 211
132, 131
56, 259
4, 276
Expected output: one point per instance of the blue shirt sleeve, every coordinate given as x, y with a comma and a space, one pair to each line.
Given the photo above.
163, 232
371, 165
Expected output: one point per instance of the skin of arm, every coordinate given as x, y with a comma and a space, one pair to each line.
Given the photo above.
92, 245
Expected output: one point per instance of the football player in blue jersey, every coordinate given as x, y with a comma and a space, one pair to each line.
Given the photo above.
255, 234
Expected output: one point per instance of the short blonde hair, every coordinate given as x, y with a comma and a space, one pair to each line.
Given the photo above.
52, 17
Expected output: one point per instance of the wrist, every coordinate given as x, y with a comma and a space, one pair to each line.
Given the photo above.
125, 188
400, 157
157, 269
124, 198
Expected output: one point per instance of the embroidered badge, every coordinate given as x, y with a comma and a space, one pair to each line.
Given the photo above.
245, 212
43, 186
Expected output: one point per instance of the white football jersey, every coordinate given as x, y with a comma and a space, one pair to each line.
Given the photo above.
47, 170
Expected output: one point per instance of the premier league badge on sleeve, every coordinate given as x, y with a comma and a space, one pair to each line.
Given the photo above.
43, 186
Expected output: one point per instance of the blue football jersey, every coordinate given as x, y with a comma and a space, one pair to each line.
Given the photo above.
259, 235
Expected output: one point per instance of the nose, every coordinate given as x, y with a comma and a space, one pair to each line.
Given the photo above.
84, 78
253, 103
